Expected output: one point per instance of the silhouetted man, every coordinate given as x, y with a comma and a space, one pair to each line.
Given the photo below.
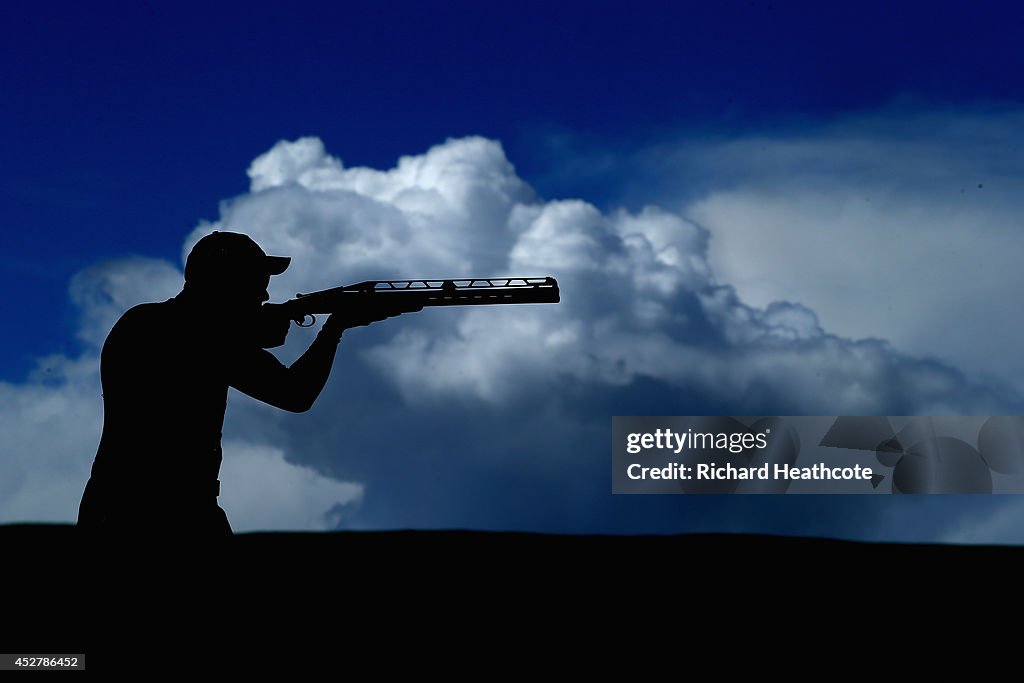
166, 368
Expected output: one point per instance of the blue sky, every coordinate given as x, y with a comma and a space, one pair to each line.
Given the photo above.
126, 125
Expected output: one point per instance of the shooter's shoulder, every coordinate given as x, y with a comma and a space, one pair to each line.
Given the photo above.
143, 320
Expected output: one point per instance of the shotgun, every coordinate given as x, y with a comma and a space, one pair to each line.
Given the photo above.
418, 293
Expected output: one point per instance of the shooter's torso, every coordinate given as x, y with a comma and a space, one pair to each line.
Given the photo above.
164, 375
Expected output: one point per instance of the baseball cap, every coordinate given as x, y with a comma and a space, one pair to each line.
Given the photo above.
225, 254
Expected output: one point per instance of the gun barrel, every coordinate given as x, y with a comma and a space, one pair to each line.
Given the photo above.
440, 292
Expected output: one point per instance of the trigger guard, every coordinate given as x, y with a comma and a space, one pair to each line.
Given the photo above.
303, 323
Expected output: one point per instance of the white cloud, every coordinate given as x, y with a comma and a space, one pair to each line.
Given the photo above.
51, 425
438, 214
261, 491
640, 298
902, 227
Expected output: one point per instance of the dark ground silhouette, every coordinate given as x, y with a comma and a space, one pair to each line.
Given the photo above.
284, 595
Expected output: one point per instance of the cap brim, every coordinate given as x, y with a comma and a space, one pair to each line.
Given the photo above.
277, 264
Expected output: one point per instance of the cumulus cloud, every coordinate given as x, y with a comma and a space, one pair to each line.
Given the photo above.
895, 225
498, 417
51, 425
640, 299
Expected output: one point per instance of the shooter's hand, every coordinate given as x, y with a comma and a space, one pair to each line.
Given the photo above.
359, 315
272, 326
